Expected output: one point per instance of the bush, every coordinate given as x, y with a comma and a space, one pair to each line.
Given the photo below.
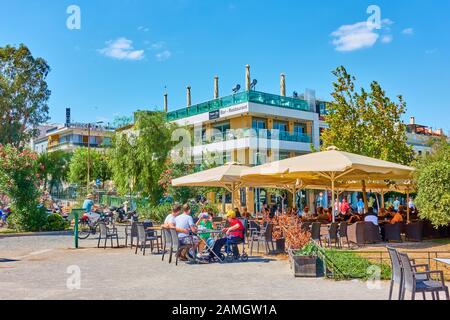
155, 213
20, 179
56, 223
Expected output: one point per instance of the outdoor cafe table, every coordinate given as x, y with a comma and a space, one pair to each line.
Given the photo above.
446, 261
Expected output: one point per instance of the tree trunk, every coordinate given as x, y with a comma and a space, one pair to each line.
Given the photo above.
366, 204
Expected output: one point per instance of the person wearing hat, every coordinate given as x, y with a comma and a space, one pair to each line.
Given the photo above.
234, 233
88, 204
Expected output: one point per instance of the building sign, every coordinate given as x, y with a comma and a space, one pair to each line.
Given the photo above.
234, 110
213, 115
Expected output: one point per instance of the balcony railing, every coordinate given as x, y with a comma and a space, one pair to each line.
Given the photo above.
261, 134
77, 144
241, 97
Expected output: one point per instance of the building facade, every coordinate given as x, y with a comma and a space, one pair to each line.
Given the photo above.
420, 137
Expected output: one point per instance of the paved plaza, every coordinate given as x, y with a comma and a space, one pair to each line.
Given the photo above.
36, 267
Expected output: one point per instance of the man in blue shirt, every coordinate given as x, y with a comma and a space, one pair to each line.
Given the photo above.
88, 204
360, 206
396, 204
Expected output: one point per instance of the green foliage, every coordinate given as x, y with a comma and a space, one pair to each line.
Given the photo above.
100, 168
23, 94
56, 223
55, 167
307, 251
432, 178
20, 175
366, 122
140, 155
120, 122
155, 213
348, 264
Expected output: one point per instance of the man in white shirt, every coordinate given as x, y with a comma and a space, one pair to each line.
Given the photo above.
185, 224
170, 219
371, 217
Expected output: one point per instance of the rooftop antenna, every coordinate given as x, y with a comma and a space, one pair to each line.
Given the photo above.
295, 94
237, 88
253, 84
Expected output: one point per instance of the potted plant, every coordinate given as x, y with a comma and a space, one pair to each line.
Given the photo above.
305, 261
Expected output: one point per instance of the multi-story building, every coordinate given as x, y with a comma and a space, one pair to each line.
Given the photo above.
421, 137
69, 136
72, 136
252, 128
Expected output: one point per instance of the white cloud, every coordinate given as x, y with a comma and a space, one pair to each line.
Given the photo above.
158, 45
387, 38
164, 55
122, 49
408, 31
143, 29
359, 36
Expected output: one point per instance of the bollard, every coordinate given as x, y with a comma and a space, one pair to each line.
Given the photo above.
75, 214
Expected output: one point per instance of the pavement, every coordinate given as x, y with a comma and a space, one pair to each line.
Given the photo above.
47, 267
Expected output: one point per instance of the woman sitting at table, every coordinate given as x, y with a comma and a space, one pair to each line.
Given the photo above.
354, 217
204, 223
234, 234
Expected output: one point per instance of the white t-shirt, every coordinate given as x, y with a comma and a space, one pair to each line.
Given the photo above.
170, 219
184, 221
373, 219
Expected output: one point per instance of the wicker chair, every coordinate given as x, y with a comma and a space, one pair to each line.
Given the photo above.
392, 232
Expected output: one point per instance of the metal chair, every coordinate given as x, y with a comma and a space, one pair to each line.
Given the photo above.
342, 234
414, 284
167, 243
332, 235
152, 235
130, 232
396, 273
141, 238
315, 232
177, 247
107, 233
306, 226
264, 235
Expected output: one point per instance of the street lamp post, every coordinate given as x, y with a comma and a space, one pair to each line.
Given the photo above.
89, 153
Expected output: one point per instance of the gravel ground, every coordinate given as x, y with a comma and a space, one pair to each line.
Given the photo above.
40, 267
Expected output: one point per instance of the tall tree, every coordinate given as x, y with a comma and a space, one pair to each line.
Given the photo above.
55, 166
432, 178
140, 155
23, 94
99, 169
366, 122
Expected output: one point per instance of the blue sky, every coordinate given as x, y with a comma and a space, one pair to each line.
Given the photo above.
128, 51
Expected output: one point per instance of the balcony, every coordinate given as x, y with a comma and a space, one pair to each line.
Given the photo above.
263, 134
238, 98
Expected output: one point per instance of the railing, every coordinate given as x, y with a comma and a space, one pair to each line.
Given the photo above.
357, 262
241, 97
262, 134
79, 144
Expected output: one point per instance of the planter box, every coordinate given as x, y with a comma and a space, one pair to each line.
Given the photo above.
307, 266
280, 245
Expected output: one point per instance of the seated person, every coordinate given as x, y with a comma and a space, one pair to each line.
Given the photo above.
382, 214
371, 216
234, 234
185, 225
245, 214
354, 218
204, 223
306, 215
397, 218
169, 222
322, 214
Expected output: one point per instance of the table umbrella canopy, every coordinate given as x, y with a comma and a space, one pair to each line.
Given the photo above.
343, 165
331, 166
227, 176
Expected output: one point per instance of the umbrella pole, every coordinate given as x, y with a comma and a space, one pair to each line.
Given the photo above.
332, 199
408, 210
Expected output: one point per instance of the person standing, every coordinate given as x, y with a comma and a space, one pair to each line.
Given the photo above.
360, 206
344, 206
396, 204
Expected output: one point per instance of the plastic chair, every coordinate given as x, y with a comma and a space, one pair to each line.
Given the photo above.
107, 233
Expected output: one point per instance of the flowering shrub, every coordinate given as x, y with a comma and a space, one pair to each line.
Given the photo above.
20, 176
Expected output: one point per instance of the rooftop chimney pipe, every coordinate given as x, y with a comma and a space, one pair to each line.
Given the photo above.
412, 120
188, 96
283, 85
248, 79
166, 104
216, 87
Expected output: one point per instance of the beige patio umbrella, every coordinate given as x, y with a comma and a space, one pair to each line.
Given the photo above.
331, 167
227, 176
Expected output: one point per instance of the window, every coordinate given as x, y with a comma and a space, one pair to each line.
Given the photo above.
222, 126
259, 124
284, 155
299, 128
281, 126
